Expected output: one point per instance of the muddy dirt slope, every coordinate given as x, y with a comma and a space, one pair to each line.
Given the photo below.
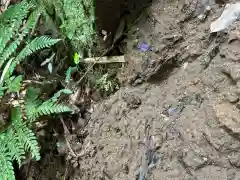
183, 125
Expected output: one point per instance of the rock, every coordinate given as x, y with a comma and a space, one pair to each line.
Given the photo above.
238, 105
230, 52
132, 100
75, 165
228, 115
232, 98
77, 146
193, 160
172, 38
234, 159
233, 70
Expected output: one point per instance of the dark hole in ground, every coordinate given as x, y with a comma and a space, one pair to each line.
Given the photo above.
110, 12
163, 72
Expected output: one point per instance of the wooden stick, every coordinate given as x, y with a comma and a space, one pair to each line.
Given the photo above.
105, 60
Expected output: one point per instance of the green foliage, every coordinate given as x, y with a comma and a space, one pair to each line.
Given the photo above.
16, 25
15, 142
58, 94
76, 58
34, 107
105, 84
69, 72
77, 20
36, 44
14, 83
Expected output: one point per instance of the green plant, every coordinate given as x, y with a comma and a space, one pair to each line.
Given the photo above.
106, 84
77, 20
16, 136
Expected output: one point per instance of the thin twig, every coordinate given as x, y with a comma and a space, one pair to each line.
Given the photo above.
66, 132
105, 60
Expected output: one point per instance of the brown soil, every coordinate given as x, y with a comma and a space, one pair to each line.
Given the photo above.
190, 113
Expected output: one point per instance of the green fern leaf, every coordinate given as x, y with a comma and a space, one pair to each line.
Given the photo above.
36, 44
15, 12
6, 34
32, 94
50, 107
24, 135
30, 24
8, 51
10, 22
69, 72
31, 103
16, 153
32, 21
15, 84
6, 170
58, 94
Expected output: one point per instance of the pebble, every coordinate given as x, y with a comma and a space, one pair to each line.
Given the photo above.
73, 161
75, 165
238, 105
228, 116
232, 98
193, 160
234, 159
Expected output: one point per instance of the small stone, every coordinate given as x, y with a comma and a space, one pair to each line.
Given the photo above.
77, 147
195, 81
132, 100
157, 141
233, 70
73, 161
41, 132
69, 157
238, 105
202, 17
193, 160
75, 165
228, 115
234, 159
208, 8
232, 98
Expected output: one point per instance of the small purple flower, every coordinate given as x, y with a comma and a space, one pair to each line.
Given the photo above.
144, 47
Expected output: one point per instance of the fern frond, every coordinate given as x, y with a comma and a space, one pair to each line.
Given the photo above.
16, 153
69, 72
50, 107
6, 34
10, 22
25, 136
31, 103
8, 51
14, 85
32, 21
36, 44
30, 24
6, 170
15, 12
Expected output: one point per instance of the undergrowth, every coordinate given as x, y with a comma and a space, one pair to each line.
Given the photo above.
17, 42
76, 20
